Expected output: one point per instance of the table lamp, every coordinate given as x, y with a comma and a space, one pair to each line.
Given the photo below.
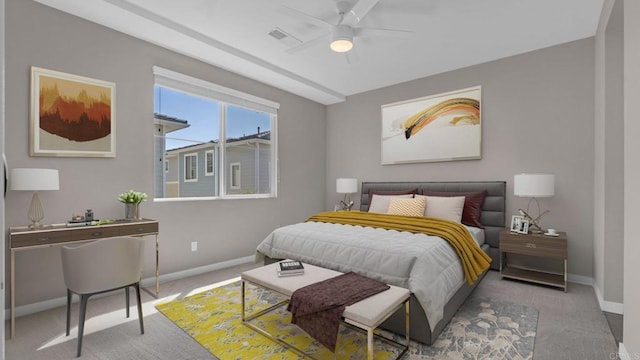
346, 186
35, 180
533, 186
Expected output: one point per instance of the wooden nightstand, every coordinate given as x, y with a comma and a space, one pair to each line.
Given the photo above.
538, 245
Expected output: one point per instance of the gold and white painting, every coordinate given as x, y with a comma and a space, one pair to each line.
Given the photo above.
443, 127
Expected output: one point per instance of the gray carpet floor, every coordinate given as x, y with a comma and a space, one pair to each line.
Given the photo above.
570, 325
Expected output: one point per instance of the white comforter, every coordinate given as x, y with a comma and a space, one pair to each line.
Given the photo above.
426, 265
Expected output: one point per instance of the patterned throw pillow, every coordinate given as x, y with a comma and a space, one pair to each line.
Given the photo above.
407, 207
380, 203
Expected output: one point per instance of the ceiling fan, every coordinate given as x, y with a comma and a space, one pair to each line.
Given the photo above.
342, 33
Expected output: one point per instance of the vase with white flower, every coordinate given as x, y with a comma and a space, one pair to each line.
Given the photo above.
132, 199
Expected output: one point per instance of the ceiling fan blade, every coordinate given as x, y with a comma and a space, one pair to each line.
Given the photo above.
303, 16
308, 44
376, 32
359, 10
351, 57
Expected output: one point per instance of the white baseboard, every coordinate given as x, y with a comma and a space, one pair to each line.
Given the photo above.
608, 306
622, 353
579, 279
147, 282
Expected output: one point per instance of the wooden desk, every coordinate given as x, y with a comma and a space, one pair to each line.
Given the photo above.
23, 238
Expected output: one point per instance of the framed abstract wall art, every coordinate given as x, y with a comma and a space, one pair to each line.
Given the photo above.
71, 116
441, 127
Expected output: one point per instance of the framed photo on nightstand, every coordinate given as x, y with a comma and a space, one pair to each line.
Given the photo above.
519, 224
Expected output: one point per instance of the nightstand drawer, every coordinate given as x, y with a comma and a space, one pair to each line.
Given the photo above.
536, 246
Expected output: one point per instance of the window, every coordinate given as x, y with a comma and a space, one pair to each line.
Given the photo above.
191, 167
235, 176
201, 125
209, 166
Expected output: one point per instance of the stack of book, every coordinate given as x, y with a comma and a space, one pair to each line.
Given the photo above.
290, 268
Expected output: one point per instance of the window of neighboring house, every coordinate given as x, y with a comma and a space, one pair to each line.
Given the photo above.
235, 176
228, 129
191, 167
209, 161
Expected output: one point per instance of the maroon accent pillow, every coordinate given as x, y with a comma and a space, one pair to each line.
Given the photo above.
390, 192
473, 202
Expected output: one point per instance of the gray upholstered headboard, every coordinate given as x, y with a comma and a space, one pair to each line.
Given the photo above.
493, 210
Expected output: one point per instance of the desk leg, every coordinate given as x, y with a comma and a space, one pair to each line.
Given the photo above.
157, 267
13, 293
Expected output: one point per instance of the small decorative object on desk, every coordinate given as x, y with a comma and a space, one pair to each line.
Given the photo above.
79, 220
88, 216
132, 199
290, 268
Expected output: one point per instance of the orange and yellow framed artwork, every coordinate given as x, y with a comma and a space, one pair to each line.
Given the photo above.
443, 127
71, 115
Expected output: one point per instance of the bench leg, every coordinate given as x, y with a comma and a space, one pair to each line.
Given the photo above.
406, 322
370, 344
242, 285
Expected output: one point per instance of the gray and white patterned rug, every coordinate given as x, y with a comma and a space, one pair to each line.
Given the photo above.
484, 328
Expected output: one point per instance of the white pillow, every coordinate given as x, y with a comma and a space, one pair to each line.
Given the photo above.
407, 207
380, 203
443, 207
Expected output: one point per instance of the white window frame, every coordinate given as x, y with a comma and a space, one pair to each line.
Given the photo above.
231, 174
206, 163
180, 82
186, 163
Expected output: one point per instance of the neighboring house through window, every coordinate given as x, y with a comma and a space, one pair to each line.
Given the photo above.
203, 131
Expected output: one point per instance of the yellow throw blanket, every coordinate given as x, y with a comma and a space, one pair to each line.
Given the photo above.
474, 260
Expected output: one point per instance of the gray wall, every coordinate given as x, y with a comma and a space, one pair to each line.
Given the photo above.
609, 156
537, 116
40, 36
2, 136
631, 178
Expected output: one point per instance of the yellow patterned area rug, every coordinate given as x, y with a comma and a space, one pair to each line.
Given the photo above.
482, 329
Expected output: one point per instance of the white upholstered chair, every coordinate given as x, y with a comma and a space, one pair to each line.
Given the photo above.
102, 266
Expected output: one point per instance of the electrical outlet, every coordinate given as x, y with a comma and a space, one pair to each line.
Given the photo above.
194, 246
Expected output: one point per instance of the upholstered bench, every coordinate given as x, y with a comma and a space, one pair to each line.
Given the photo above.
366, 314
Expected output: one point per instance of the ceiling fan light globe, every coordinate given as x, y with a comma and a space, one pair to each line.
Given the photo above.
341, 45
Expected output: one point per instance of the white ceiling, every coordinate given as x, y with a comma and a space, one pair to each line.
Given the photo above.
445, 35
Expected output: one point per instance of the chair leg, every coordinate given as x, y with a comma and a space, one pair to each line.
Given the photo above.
126, 295
83, 311
137, 286
68, 311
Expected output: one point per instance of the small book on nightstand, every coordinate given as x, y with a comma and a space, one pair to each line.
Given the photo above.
290, 268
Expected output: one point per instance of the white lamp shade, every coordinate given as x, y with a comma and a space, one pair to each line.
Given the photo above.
534, 185
34, 179
346, 186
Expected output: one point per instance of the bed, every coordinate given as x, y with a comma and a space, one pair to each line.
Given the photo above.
407, 263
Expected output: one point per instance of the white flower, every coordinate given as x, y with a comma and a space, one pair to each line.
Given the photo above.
132, 197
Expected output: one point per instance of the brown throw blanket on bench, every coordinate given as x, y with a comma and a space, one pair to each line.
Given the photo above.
317, 308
